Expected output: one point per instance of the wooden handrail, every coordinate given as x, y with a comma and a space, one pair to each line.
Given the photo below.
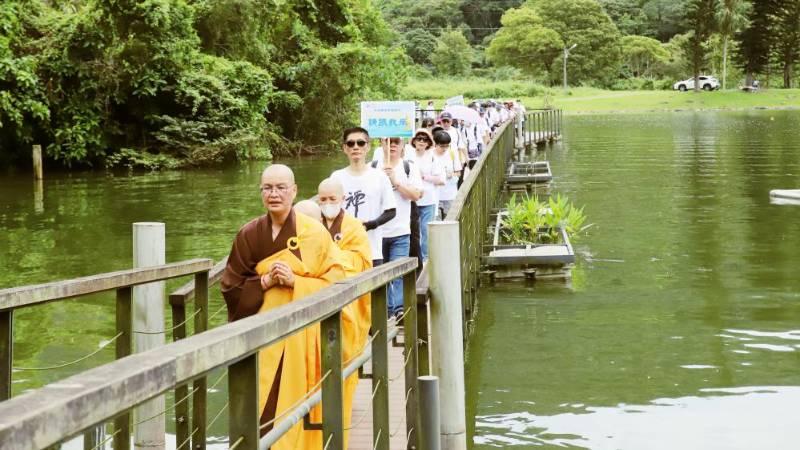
18, 297
185, 293
59, 410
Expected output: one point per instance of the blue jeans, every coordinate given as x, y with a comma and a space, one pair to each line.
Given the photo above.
395, 248
426, 214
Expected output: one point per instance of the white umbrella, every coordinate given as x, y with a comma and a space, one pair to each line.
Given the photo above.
464, 113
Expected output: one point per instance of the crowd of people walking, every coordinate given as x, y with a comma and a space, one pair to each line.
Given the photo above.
374, 210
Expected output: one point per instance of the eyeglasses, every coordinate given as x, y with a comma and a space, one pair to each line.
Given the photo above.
279, 188
360, 143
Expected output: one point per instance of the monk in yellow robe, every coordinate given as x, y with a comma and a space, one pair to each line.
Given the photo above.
276, 259
356, 256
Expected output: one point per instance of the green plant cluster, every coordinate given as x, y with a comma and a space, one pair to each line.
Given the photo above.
165, 83
534, 221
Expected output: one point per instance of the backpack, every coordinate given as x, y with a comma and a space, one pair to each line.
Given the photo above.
415, 251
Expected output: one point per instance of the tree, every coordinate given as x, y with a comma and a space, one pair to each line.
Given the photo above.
700, 18
453, 55
665, 18
583, 22
642, 54
419, 44
787, 29
756, 40
629, 16
731, 16
524, 42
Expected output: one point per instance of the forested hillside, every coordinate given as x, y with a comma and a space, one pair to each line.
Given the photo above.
165, 83
175, 82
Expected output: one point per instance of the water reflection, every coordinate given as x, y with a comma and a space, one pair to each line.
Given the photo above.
766, 413
689, 284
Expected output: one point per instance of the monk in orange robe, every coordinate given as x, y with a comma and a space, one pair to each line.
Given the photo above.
356, 256
276, 259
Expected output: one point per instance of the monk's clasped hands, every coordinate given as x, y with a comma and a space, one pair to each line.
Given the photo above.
279, 274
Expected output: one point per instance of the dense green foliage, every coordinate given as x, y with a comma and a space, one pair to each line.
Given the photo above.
452, 55
174, 82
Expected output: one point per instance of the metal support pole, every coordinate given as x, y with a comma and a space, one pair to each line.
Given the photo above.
6, 352
429, 413
411, 370
448, 336
243, 414
423, 355
332, 393
380, 371
149, 249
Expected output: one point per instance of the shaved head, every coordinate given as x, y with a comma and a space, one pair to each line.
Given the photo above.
329, 187
278, 190
278, 171
309, 208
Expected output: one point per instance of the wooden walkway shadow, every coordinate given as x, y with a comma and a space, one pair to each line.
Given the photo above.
361, 434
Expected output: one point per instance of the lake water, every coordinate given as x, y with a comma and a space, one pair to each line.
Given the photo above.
680, 328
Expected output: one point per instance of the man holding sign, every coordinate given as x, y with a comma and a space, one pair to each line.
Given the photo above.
368, 194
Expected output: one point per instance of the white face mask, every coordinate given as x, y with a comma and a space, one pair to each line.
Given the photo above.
330, 210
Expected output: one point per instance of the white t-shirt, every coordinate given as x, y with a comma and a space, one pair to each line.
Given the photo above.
449, 162
428, 166
401, 224
366, 197
455, 139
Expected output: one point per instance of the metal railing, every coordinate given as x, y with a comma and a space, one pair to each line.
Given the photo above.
542, 126
61, 410
122, 282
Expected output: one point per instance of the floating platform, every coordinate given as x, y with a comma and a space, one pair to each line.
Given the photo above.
534, 172
784, 196
790, 194
541, 261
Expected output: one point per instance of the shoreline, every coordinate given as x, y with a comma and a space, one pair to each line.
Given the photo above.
666, 110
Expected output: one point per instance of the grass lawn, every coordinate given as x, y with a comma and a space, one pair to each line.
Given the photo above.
640, 101
582, 100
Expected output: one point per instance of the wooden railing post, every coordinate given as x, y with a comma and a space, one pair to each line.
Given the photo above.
182, 425
380, 371
412, 368
6, 352
332, 394
200, 385
243, 415
423, 347
124, 347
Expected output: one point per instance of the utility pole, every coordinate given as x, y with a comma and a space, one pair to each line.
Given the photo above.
566, 56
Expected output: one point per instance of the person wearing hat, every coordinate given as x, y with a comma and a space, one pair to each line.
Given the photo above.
432, 174
457, 141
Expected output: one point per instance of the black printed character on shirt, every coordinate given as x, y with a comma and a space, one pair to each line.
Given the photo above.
354, 199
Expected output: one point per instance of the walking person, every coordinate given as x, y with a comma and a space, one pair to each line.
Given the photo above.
407, 185
448, 160
368, 194
432, 175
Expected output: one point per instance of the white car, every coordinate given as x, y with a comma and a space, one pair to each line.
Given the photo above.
706, 83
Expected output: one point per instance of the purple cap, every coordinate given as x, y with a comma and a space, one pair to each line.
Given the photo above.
446, 115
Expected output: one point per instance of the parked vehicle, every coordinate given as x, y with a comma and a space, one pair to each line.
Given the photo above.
706, 83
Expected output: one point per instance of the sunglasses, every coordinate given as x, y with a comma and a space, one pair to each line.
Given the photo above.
423, 139
445, 120
360, 143
394, 140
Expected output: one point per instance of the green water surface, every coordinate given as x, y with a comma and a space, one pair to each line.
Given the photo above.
679, 330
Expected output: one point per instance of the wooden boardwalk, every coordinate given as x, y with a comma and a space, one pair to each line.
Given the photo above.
361, 435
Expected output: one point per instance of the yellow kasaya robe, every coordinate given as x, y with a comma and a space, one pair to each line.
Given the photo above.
307, 248
356, 256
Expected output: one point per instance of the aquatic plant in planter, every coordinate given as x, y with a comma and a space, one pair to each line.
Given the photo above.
533, 221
